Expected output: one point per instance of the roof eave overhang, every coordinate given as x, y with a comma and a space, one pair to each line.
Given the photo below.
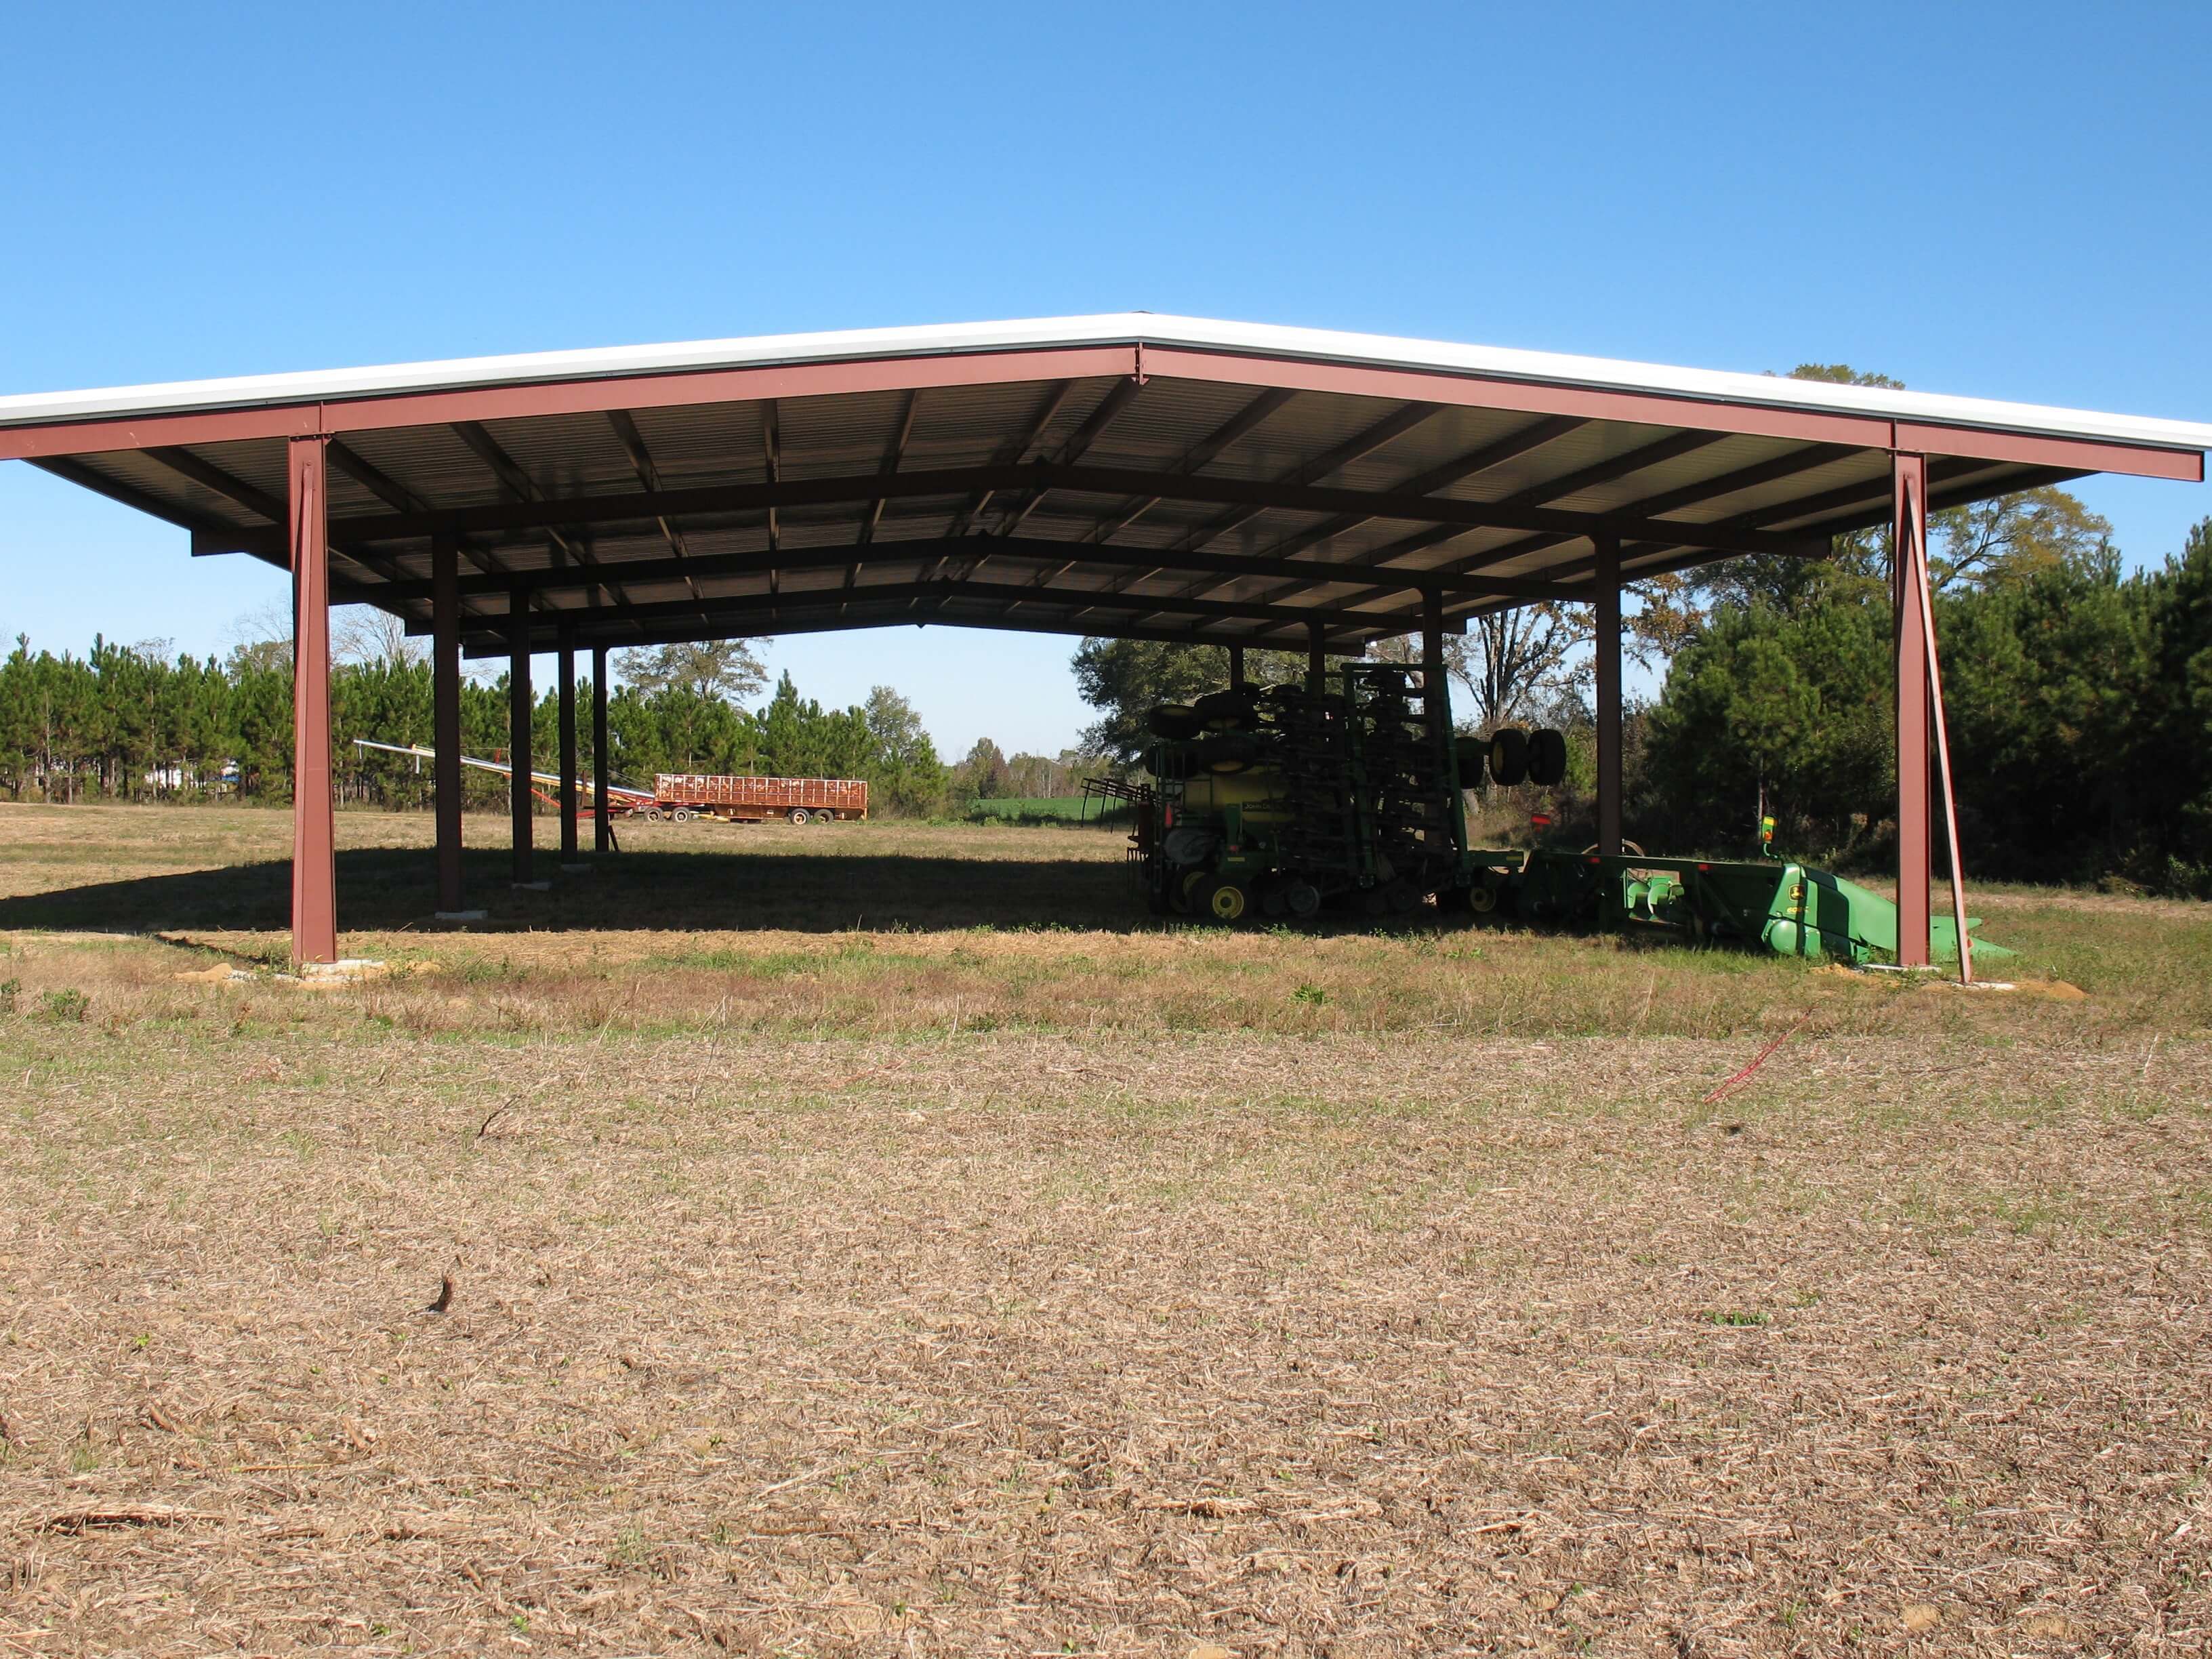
307, 405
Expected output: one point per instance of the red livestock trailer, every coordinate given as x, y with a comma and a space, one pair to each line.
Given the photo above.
686, 795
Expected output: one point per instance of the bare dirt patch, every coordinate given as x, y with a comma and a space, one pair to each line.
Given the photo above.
1161, 1310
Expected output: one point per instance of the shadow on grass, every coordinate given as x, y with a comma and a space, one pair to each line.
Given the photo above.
382, 890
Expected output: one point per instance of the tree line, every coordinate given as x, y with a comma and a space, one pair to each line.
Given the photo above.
144, 723
2080, 706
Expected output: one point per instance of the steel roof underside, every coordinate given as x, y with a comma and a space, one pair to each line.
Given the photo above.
1130, 475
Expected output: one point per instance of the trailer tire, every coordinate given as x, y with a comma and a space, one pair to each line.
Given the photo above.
799, 814
1509, 755
681, 815
1548, 756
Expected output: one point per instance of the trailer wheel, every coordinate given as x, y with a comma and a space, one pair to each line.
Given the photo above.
1223, 900
799, 815
681, 815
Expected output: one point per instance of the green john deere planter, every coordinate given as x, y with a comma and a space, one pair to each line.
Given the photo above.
1345, 792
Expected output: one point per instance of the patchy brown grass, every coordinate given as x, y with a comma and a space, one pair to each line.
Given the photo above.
1095, 1289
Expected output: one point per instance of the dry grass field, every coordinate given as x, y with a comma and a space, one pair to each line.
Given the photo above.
888, 1240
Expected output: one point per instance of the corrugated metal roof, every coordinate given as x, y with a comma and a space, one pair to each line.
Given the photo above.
1118, 328
1338, 486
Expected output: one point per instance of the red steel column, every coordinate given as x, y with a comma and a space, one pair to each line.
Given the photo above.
314, 859
446, 716
567, 743
1606, 646
520, 706
602, 826
1909, 561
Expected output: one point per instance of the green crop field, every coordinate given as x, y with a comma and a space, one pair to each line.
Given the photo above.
888, 1239
1071, 808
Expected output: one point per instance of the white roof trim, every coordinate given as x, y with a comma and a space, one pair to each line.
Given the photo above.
1120, 328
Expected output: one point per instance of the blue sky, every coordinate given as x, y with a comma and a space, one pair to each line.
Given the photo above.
2006, 201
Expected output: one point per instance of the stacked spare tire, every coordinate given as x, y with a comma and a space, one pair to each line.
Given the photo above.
1346, 792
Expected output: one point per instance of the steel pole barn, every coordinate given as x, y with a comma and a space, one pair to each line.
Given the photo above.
1136, 475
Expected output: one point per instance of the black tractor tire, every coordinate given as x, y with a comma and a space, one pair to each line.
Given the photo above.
1509, 755
1547, 757
1173, 720
1233, 710
1473, 755
1302, 898
1183, 889
1228, 752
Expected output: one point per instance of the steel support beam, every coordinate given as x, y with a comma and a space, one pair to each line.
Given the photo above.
446, 719
772, 612
601, 822
1199, 454
1235, 665
315, 857
1316, 665
1472, 464
1607, 644
1909, 545
682, 630
520, 706
1254, 496
1017, 449
1117, 398
85, 478
1063, 556
1624, 523
567, 703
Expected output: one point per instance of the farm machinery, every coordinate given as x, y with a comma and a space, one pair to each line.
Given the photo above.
1346, 793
